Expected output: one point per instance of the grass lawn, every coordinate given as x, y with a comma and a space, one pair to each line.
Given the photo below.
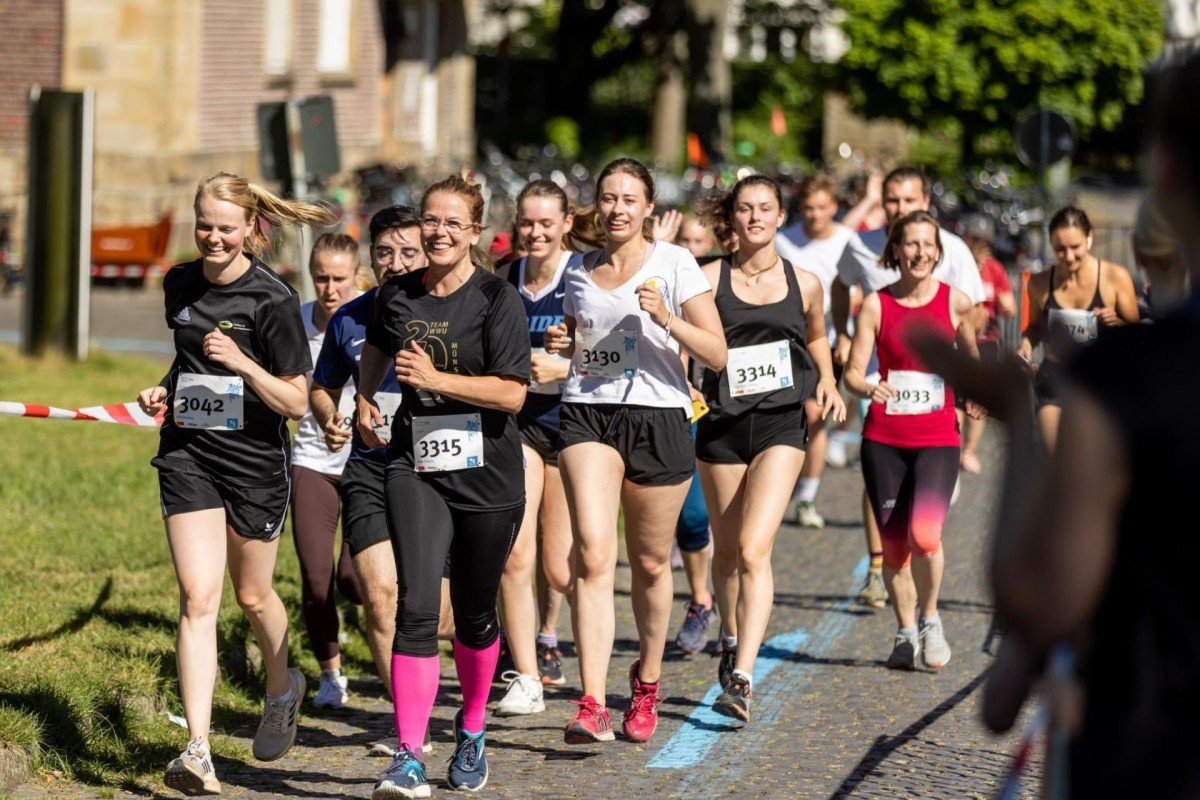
89, 601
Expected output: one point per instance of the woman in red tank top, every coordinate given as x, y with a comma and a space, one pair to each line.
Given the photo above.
911, 441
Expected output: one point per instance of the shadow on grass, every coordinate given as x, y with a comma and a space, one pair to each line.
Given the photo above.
75, 623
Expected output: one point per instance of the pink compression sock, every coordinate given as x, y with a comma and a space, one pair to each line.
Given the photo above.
414, 689
475, 670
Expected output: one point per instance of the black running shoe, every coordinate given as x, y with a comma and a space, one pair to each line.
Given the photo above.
735, 700
725, 667
550, 665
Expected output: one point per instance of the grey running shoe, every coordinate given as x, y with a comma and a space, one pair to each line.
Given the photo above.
873, 593
404, 778
725, 666
904, 651
693, 635
277, 731
550, 665
192, 773
935, 652
807, 516
468, 766
735, 700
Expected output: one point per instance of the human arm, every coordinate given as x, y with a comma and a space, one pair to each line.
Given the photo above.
1125, 310
872, 199
698, 328
499, 392
283, 394
666, 226
839, 305
962, 312
373, 365
865, 332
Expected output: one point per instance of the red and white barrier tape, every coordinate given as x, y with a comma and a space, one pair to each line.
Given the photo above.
119, 413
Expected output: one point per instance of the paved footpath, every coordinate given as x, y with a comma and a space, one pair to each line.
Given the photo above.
829, 720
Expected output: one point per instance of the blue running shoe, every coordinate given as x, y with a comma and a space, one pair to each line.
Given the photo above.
405, 778
468, 765
693, 635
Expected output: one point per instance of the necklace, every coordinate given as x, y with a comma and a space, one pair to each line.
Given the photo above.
755, 275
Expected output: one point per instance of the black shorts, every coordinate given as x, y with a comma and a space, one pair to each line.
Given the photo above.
254, 512
738, 439
364, 514
1047, 385
655, 443
545, 442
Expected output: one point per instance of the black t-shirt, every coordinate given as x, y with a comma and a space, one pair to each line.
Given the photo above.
1140, 673
479, 329
261, 314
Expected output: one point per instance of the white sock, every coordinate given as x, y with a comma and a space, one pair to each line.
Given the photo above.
806, 490
728, 642
286, 697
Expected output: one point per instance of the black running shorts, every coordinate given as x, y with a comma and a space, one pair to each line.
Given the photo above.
738, 439
655, 443
254, 512
544, 441
364, 515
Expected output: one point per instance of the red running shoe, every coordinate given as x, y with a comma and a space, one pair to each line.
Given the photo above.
591, 723
641, 718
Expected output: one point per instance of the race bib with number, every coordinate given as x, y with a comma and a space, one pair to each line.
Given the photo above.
759, 368
1077, 323
916, 392
607, 354
545, 388
209, 402
447, 443
389, 404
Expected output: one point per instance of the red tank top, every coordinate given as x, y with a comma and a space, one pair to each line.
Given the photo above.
935, 429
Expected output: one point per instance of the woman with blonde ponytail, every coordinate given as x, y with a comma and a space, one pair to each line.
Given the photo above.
241, 354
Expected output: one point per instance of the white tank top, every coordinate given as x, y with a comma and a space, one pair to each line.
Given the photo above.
308, 448
658, 379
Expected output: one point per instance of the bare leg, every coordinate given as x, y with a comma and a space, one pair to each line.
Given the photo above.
927, 577
1047, 417
723, 494
252, 568
376, 569
904, 595
696, 566
518, 612
555, 576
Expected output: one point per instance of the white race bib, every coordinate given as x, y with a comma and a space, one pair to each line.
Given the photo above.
1079, 324
209, 402
916, 392
447, 443
759, 368
607, 354
545, 388
389, 404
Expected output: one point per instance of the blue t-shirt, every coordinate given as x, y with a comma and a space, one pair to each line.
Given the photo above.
337, 363
544, 309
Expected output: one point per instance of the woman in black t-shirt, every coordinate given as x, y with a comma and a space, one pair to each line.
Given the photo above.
240, 358
458, 339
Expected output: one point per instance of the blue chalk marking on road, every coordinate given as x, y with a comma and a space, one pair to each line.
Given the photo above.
702, 729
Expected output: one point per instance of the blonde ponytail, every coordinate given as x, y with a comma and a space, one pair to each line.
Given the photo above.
261, 203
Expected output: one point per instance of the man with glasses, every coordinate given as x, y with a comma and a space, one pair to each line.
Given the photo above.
395, 250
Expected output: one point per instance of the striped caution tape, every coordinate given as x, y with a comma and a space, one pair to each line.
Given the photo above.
118, 413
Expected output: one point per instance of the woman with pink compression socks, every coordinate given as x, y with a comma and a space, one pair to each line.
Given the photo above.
457, 338
911, 442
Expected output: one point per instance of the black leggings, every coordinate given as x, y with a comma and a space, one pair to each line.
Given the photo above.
314, 528
424, 529
909, 490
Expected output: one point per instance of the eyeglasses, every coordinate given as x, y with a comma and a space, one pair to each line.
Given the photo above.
453, 226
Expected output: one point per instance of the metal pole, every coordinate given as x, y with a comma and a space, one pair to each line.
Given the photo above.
83, 297
300, 192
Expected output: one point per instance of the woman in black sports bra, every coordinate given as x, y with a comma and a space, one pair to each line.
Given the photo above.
1060, 318
750, 447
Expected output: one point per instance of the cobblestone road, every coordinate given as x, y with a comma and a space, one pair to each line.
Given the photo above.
830, 720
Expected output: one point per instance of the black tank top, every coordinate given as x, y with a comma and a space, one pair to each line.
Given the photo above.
747, 324
1061, 339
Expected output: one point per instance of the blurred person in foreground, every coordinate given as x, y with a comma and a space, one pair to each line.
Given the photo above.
1089, 550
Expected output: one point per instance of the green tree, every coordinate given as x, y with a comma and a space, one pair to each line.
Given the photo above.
978, 65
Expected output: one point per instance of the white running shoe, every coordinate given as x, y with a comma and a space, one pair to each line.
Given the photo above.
192, 773
524, 695
333, 691
935, 651
835, 454
905, 648
808, 517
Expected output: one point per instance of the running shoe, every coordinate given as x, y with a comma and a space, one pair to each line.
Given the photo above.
386, 747
591, 723
807, 516
504, 663
641, 718
468, 766
192, 773
835, 454
277, 731
725, 665
333, 691
524, 696
935, 651
693, 635
873, 593
550, 665
404, 778
904, 651
734, 701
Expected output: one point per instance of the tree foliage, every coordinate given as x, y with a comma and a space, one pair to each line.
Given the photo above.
981, 64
